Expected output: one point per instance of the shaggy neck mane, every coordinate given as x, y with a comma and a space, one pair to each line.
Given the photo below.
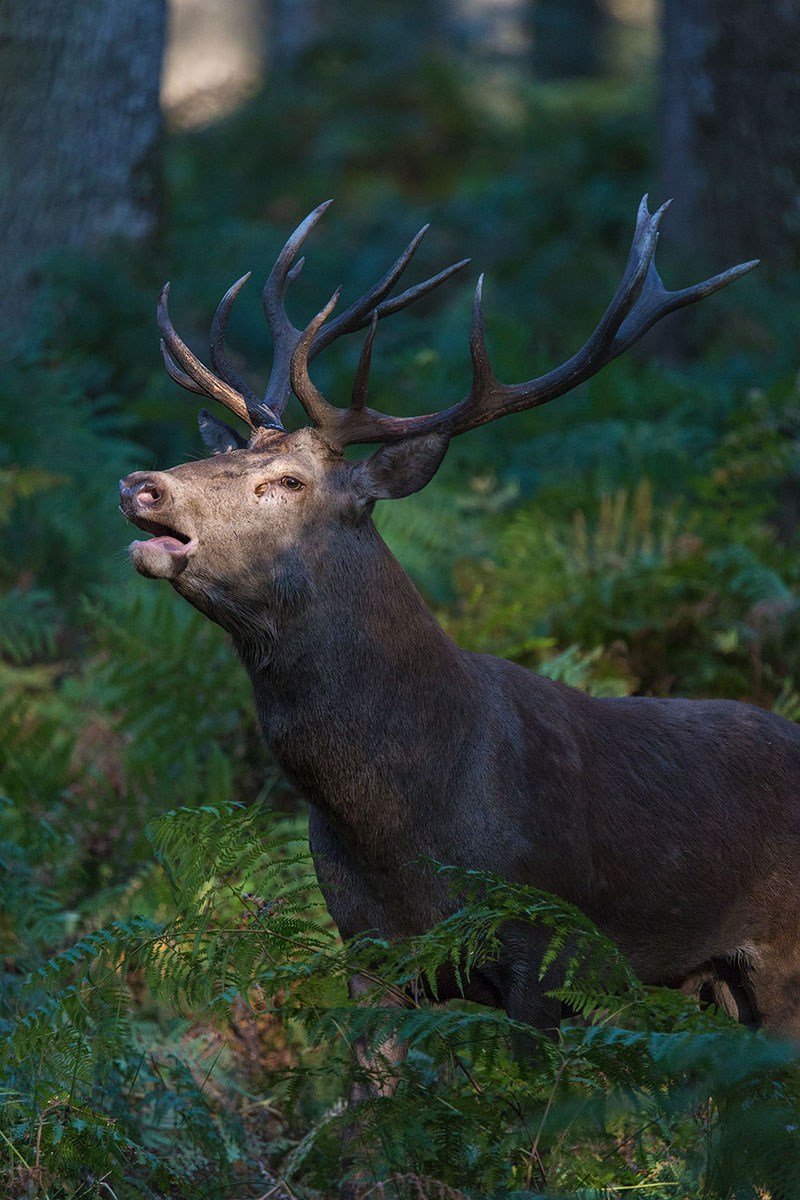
355, 681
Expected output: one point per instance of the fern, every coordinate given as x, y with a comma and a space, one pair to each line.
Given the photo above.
629, 1072
29, 623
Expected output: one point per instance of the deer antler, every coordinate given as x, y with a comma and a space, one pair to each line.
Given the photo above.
227, 386
640, 300
187, 370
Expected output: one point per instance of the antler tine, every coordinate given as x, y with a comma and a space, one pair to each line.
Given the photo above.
284, 334
656, 301
360, 311
295, 271
359, 314
177, 374
361, 381
482, 375
319, 410
640, 258
283, 274
188, 366
419, 289
219, 355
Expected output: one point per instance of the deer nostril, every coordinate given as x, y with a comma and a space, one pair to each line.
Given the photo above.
143, 492
147, 493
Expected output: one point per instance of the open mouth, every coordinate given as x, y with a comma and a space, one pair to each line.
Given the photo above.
171, 539
164, 555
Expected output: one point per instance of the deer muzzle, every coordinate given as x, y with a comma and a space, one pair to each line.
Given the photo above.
146, 500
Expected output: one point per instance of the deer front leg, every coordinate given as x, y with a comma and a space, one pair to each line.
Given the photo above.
376, 1077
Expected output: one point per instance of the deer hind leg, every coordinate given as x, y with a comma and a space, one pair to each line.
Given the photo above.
773, 980
523, 994
376, 1077
724, 983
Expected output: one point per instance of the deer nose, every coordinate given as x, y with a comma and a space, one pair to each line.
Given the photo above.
141, 489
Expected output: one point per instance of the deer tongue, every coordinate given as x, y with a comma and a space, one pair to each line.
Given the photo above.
162, 557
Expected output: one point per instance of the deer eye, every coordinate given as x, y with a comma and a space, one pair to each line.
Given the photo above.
289, 481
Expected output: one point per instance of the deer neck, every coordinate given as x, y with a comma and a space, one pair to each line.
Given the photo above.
358, 688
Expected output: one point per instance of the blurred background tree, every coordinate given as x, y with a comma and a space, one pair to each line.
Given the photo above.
80, 127
730, 128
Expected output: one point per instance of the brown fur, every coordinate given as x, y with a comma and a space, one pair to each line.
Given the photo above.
674, 824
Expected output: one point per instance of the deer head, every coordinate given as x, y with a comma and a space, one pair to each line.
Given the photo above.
266, 514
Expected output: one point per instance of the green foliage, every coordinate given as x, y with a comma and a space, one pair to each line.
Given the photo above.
85, 1097
641, 1089
152, 649
684, 588
55, 471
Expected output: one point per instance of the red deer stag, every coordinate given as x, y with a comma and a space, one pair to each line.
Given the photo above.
674, 824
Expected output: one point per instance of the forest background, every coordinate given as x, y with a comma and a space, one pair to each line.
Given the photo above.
171, 991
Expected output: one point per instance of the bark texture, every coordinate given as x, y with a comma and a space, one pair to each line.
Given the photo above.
730, 128
79, 130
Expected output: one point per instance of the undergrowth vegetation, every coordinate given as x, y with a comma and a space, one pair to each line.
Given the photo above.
173, 1005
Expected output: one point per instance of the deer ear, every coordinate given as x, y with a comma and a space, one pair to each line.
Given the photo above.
218, 436
401, 468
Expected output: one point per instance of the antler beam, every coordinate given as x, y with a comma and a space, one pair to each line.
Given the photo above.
640, 300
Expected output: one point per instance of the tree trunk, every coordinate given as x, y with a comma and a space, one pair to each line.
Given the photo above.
730, 130
79, 131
